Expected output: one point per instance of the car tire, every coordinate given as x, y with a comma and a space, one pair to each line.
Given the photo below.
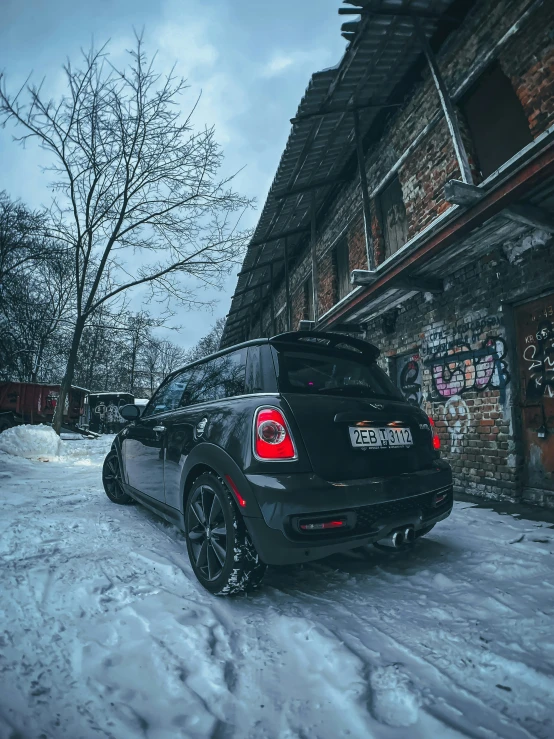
112, 480
221, 553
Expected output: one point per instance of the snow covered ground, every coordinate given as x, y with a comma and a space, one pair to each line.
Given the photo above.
104, 631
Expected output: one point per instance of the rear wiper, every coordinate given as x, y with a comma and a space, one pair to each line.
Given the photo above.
358, 390
344, 388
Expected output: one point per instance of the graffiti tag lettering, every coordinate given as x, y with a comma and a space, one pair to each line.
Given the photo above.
409, 378
463, 368
540, 360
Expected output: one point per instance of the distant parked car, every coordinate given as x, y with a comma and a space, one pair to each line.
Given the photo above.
281, 451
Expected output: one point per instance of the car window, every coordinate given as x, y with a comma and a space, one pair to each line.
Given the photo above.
333, 372
169, 396
222, 377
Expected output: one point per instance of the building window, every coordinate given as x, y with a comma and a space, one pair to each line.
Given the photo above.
308, 314
496, 120
393, 217
342, 268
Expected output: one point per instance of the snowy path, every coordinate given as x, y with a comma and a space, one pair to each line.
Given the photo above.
105, 633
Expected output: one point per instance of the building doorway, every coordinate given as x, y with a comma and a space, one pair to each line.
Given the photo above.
535, 348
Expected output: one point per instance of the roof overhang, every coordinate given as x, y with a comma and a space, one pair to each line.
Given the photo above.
383, 48
511, 205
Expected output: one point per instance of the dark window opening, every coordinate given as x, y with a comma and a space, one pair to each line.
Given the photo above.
393, 217
342, 268
496, 120
308, 300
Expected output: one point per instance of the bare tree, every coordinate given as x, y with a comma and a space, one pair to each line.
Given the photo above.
140, 199
138, 327
23, 237
208, 344
36, 291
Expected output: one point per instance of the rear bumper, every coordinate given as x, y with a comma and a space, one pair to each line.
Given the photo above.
373, 508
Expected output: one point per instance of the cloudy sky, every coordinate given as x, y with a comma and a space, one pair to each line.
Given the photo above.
251, 60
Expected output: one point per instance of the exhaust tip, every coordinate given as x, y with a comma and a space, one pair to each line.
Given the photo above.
409, 535
398, 538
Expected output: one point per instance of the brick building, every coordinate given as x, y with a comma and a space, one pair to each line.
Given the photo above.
414, 206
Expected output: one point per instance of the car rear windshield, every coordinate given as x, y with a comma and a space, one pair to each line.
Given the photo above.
332, 372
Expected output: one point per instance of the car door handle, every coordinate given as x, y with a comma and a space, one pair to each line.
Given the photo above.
158, 429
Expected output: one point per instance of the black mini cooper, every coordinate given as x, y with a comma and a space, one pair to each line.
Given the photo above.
279, 451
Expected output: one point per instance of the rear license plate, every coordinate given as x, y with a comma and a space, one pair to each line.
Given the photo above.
380, 438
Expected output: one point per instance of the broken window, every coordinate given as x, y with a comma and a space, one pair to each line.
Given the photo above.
393, 217
308, 300
342, 268
496, 120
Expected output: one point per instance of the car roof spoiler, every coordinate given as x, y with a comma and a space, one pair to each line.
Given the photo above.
328, 339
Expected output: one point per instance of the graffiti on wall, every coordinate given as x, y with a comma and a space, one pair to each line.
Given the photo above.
408, 376
470, 332
539, 358
462, 368
458, 418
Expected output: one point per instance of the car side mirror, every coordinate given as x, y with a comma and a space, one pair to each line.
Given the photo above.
130, 412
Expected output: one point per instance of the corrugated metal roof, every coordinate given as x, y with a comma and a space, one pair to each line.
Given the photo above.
382, 48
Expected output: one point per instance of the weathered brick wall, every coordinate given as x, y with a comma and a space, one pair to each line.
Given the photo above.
527, 59
327, 282
472, 399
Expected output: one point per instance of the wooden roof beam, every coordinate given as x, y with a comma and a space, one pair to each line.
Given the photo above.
330, 109
251, 287
462, 193
277, 236
310, 186
248, 270
530, 215
420, 284
399, 13
244, 307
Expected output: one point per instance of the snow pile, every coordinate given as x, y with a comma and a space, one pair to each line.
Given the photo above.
31, 442
83, 451
106, 633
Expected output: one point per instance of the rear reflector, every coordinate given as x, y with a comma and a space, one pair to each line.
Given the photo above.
235, 490
323, 525
436, 439
272, 438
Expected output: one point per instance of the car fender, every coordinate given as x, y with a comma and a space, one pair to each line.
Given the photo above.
116, 446
214, 457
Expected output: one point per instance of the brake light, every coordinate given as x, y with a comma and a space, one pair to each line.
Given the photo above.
272, 438
436, 438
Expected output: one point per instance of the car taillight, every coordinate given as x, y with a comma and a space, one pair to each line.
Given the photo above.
272, 438
436, 439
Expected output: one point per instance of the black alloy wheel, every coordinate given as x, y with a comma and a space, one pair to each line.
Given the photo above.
207, 532
112, 480
221, 553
